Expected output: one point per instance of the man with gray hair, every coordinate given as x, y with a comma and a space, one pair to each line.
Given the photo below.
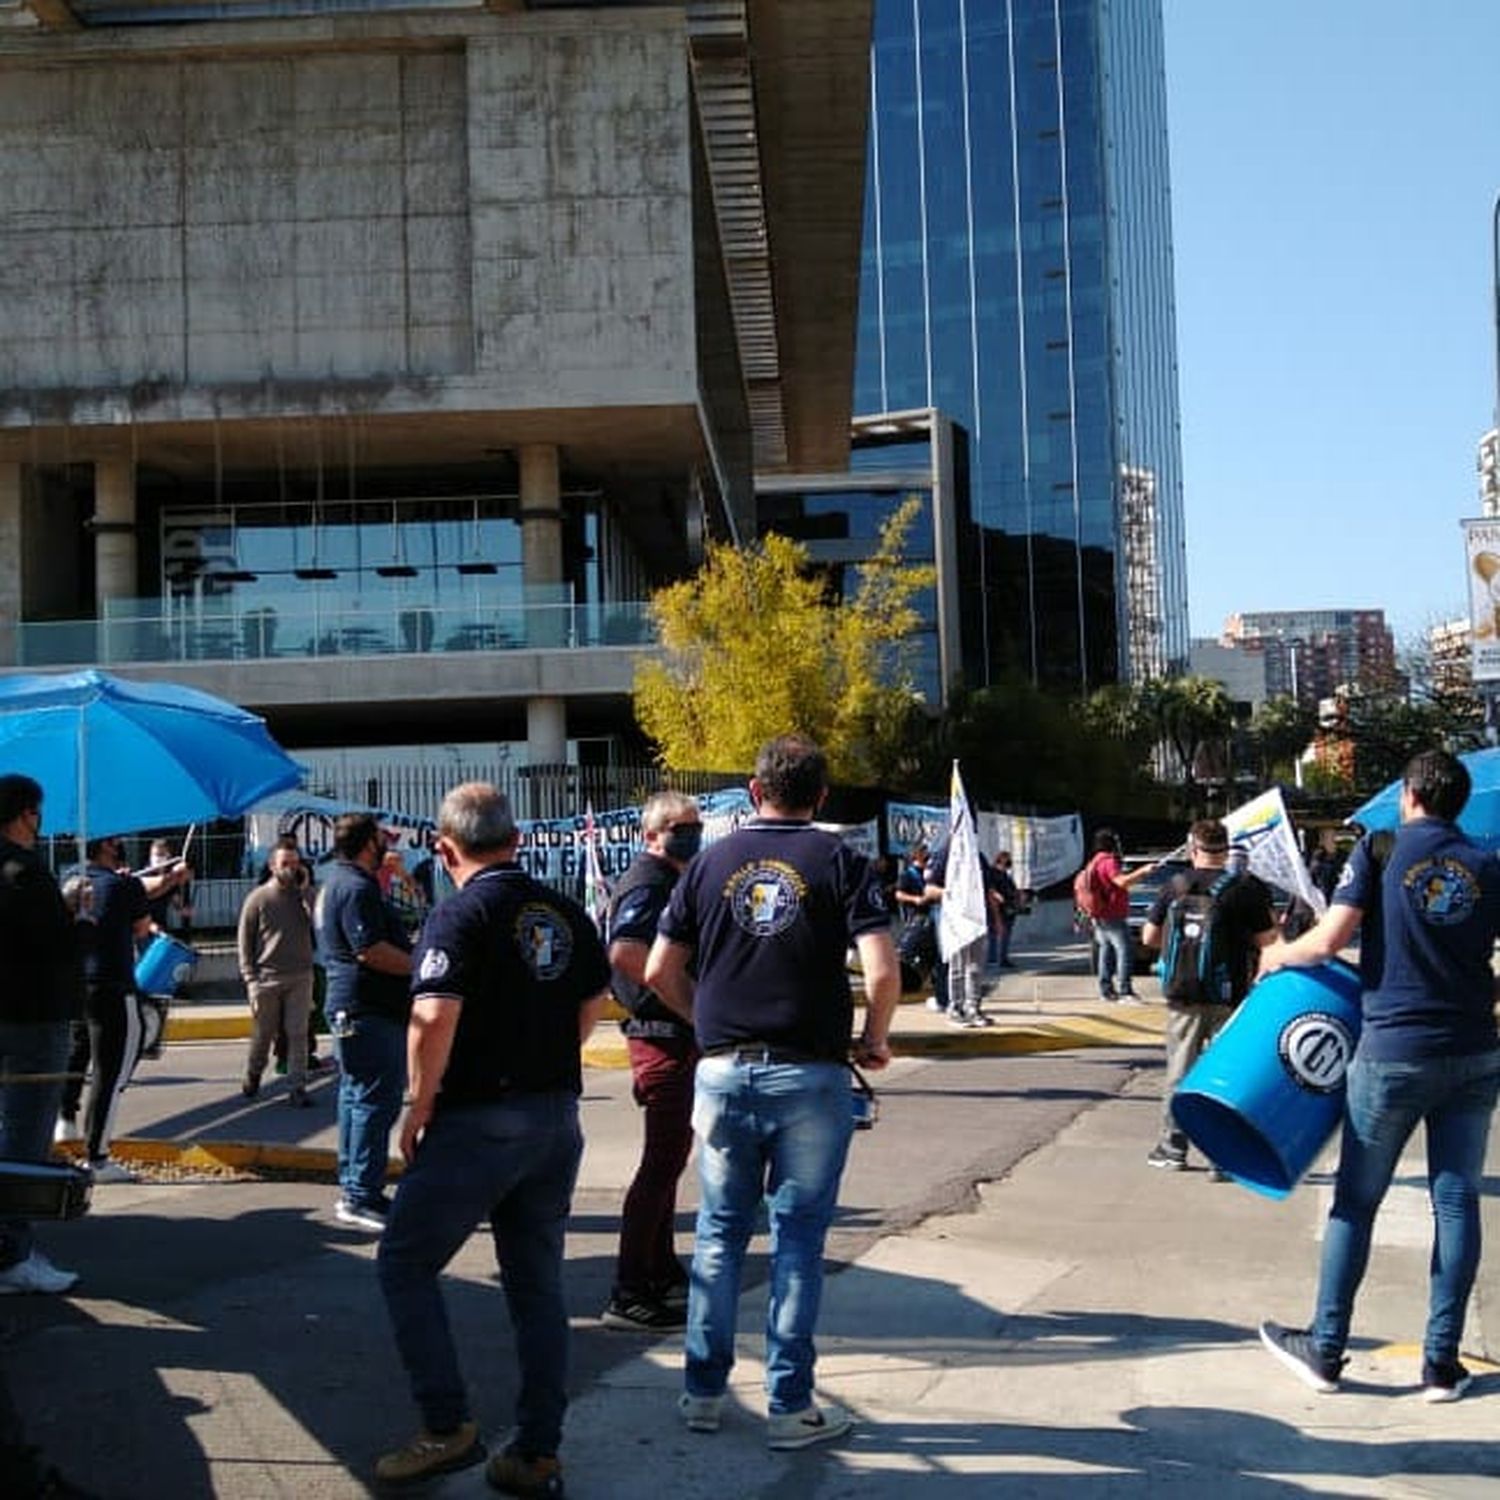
650, 1290
508, 982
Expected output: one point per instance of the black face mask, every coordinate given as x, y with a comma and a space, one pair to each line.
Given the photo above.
683, 843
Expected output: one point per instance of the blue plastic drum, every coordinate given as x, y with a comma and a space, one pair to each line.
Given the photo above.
1263, 1099
164, 966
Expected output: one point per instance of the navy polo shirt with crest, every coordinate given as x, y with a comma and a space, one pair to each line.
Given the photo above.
1430, 916
770, 912
522, 959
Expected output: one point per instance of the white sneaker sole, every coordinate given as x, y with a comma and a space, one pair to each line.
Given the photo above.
808, 1434
1309, 1377
1440, 1395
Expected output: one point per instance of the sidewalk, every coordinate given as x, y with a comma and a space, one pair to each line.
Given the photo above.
1088, 1328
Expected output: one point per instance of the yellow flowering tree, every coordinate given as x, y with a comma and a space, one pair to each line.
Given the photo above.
752, 646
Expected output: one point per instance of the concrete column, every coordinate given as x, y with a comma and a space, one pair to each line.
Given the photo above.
546, 731
114, 532
546, 745
10, 562
542, 545
541, 514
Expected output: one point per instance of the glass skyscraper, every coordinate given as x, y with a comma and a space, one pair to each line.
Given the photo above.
1017, 274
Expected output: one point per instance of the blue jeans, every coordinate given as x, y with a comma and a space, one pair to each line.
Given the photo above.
28, 1111
779, 1131
1455, 1096
514, 1163
1116, 962
372, 1078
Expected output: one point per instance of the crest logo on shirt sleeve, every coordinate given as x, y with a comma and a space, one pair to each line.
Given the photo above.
434, 965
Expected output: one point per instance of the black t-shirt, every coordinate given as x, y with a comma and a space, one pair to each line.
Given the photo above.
770, 912
109, 945
636, 907
1244, 909
522, 959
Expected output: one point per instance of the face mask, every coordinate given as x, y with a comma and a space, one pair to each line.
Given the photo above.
683, 843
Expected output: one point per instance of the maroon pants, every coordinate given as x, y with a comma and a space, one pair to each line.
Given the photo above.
663, 1072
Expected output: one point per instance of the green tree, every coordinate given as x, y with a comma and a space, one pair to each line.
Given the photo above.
1194, 717
1022, 745
1280, 730
753, 646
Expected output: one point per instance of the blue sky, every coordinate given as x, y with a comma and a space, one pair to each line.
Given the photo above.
1334, 170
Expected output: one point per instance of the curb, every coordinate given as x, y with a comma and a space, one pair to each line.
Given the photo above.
1136, 1026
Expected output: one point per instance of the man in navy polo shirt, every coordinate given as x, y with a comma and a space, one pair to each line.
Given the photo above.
766, 916
367, 957
1428, 1051
510, 980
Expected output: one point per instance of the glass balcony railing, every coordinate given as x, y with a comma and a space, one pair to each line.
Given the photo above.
147, 634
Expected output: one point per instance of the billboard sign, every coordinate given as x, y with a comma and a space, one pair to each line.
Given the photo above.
1482, 549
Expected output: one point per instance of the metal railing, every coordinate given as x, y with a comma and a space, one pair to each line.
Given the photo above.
149, 634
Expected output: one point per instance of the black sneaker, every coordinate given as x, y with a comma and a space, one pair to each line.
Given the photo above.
1444, 1382
251, 1085
1294, 1348
642, 1314
673, 1294
1167, 1156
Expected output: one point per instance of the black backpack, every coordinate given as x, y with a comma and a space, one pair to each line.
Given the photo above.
1196, 966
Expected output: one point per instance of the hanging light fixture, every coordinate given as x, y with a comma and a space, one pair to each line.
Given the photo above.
475, 564
398, 567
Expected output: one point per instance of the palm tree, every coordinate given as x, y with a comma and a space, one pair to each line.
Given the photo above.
1193, 716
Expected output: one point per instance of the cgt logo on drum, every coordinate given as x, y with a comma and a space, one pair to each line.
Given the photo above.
1316, 1049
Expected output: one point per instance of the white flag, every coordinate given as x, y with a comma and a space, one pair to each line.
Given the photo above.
1263, 828
595, 886
965, 916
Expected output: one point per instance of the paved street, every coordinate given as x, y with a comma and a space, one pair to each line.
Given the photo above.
1017, 1298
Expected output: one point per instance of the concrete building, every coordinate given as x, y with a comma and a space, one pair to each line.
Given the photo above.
370, 366
1487, 462
1311, 653
1242, 672
1450, 665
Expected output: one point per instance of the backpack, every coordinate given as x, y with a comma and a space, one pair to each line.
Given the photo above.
1195, 966
1087, 896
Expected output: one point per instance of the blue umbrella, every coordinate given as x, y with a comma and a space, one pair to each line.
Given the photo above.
1480, 818
114, 756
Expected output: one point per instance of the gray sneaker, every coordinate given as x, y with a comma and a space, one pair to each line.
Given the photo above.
701, 1413
801, 1429
1169, 1157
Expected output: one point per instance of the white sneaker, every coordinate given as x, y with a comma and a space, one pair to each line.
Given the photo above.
932, 1005
107, 1169
66, 1129
36, 1274
359, 1216
701, 1413
801, 1429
